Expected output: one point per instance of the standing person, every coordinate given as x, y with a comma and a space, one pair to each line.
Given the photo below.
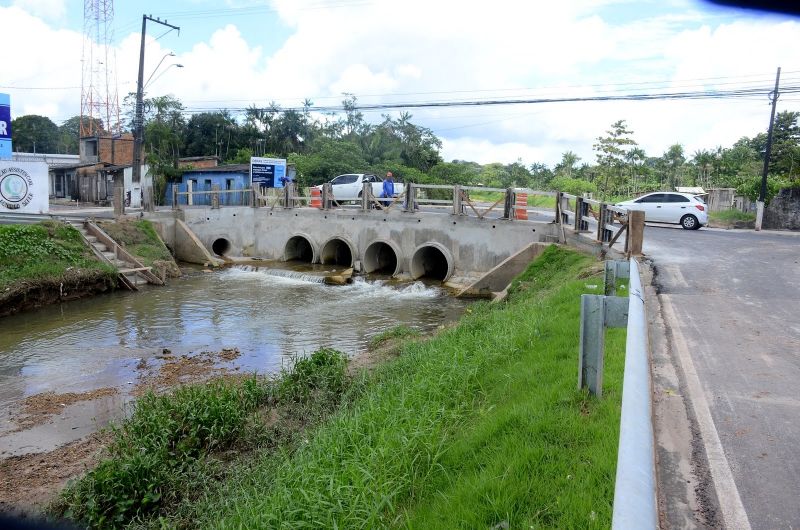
388, 188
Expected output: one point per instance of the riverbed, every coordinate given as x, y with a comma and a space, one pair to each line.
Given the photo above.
269, 315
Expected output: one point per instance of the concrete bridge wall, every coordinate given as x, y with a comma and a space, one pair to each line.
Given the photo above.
370, 239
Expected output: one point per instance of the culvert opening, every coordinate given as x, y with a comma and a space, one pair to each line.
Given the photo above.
380, 258
221, 246
431, 263
298, 248
336, 252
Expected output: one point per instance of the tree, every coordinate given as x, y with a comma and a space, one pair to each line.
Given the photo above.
567, 165
34, 134
611, 152
163, 139
69, 134
674, 160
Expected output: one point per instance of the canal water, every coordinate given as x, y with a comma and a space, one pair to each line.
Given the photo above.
269, 315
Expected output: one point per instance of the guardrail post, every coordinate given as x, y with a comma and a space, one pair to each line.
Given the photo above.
557, 217
613, 271
581, 211
174, 195
598, 312
215, 197
366, 195
603, 234
288, 195
635, 237
564, 208
508, 206
189, 190
457, 200
411, 197
327, 194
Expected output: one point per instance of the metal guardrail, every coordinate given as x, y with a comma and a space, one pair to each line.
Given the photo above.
635, 506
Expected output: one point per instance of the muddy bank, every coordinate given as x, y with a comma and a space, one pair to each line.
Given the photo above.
74, 284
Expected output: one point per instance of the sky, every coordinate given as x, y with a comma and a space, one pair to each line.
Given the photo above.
237, 53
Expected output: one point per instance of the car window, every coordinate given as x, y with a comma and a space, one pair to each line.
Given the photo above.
344, 179
699, 198
656, 197
674, 197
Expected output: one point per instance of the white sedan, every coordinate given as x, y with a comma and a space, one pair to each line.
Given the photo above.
685, 209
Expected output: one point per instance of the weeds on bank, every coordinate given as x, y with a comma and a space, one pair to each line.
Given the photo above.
44, 252
395, 333
732, 216
139, 238
172, 445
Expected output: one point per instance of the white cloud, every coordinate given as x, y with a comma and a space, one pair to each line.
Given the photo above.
48, 9
448, 50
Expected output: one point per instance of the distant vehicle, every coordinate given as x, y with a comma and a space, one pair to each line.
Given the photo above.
685, 209
350, 187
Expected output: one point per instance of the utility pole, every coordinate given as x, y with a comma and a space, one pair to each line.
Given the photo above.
138, 126
762, 197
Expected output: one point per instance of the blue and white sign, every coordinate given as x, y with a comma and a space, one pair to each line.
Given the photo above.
5, 127
268, 172
23, 187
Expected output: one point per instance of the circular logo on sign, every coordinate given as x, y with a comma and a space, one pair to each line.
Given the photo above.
13, 187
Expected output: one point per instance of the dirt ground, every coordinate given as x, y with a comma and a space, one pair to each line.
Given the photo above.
29, 482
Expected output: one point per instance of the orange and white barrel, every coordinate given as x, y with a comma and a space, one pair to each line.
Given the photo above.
521, 206
316, 198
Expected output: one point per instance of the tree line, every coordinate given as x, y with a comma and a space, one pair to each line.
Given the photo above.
323, 146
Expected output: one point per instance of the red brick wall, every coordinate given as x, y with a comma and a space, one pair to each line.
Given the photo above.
122, 150
199, 164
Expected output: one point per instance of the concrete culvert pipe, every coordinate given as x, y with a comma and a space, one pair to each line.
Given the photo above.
221, 246
298, 248
336, 252
381, 258
432, 261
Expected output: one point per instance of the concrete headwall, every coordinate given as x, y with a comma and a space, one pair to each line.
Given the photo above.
471, 246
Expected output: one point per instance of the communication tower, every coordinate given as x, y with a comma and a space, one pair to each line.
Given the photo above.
99, 94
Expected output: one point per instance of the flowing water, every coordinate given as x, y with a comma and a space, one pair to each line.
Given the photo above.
269, 315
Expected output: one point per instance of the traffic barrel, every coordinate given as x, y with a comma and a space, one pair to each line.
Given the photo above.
316, 198
521, 206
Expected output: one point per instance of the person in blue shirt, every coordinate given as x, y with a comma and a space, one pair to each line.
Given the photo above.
388, 188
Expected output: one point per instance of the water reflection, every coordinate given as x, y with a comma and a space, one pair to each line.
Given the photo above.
268, 315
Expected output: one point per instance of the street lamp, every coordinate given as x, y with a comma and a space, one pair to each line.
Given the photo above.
178, 65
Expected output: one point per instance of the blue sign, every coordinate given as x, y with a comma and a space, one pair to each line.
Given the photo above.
5, 127
268, 172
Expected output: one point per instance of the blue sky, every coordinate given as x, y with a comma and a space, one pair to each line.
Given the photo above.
241, 52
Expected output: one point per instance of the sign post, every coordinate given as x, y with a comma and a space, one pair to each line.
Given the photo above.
267, 172
5, 127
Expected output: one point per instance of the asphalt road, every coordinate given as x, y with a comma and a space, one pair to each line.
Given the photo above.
730, 302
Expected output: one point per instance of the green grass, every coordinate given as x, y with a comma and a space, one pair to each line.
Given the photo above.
395, 333
139, 238
165, 452
538, 201
44, 252
732, 216
479, 426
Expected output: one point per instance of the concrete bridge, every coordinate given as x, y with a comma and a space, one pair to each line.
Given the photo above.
452, 248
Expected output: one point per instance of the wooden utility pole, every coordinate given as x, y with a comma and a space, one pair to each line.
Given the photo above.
762, 197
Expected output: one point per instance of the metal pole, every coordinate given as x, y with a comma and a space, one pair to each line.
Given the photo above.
762, 198
138, 118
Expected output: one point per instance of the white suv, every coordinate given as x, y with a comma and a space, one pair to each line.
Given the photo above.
685, 209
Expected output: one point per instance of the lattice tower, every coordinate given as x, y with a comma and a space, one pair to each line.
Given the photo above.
99, 93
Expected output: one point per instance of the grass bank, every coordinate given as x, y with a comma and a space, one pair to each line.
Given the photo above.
480, 426
731, 219
141, 239
47, 262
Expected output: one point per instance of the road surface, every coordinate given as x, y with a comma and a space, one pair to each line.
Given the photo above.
729, 304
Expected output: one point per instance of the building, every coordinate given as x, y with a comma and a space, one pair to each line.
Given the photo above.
61, 169
228, 177
198, 162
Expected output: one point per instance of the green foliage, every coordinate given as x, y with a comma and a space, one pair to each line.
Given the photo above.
42, 252
34, 134
572, 186
162, 454
139, 238
732, 216
751, 188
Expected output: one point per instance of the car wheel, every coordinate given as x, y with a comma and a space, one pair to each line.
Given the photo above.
689, 222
